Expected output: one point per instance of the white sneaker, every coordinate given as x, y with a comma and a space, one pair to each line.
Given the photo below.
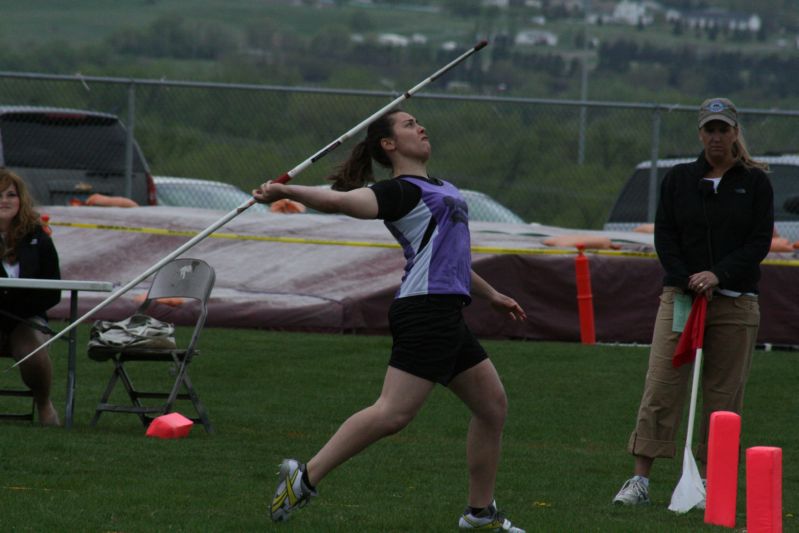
633, 492
291, 492
489, 519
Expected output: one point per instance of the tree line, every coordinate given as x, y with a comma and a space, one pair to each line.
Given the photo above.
265, 52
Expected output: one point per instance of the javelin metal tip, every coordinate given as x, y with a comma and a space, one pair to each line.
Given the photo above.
481, 44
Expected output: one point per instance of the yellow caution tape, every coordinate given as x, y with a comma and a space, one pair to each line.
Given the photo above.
329, 242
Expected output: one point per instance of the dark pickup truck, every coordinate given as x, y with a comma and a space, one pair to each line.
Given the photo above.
65, 155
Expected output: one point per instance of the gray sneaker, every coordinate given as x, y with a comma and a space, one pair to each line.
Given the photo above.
489, 519
633, 492
291, 492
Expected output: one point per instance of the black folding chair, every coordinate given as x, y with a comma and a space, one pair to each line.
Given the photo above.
181, 278
17, 392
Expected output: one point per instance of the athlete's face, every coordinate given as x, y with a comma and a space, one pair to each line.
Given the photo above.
410, 138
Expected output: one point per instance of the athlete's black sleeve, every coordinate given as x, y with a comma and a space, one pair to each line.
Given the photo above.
395, 198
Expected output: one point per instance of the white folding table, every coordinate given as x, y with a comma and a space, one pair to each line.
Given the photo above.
73, 286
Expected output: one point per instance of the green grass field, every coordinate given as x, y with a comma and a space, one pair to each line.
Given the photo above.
272, 395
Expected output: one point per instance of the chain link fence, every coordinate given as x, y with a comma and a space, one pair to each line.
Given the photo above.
537, 157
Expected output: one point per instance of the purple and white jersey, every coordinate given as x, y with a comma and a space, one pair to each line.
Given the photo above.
434, 236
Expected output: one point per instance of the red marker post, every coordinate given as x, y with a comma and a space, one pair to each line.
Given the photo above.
585, 299
722, 468
764, 489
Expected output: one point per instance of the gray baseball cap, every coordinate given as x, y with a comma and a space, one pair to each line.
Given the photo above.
718, 109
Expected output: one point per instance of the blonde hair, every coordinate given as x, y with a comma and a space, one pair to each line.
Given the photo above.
26, 219
741, 152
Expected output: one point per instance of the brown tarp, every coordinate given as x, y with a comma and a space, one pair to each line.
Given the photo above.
336, 274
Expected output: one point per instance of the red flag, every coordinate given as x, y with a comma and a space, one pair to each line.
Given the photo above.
693, 334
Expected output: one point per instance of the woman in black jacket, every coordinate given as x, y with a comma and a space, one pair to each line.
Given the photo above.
713, 227
26, 251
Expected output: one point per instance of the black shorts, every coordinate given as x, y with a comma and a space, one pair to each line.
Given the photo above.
431, 338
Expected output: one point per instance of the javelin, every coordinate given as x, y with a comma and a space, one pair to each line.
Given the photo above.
246, 205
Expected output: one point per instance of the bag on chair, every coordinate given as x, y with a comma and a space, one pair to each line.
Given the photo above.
137, 331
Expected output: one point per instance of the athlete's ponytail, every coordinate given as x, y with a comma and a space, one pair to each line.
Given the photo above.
357, 171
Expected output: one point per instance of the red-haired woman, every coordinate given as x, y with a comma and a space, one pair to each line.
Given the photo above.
26, 251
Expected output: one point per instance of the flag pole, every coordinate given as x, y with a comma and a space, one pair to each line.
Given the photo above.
690, 490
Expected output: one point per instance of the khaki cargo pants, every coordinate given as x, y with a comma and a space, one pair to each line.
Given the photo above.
730, 333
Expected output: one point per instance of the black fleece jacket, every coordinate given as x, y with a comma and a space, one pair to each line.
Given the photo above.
37, 258
727, 232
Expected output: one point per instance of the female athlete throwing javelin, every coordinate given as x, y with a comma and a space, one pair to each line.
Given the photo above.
431, 342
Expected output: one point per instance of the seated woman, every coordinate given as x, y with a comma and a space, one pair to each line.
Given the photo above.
26, 251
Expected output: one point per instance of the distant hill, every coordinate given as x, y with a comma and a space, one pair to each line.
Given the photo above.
538, 47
